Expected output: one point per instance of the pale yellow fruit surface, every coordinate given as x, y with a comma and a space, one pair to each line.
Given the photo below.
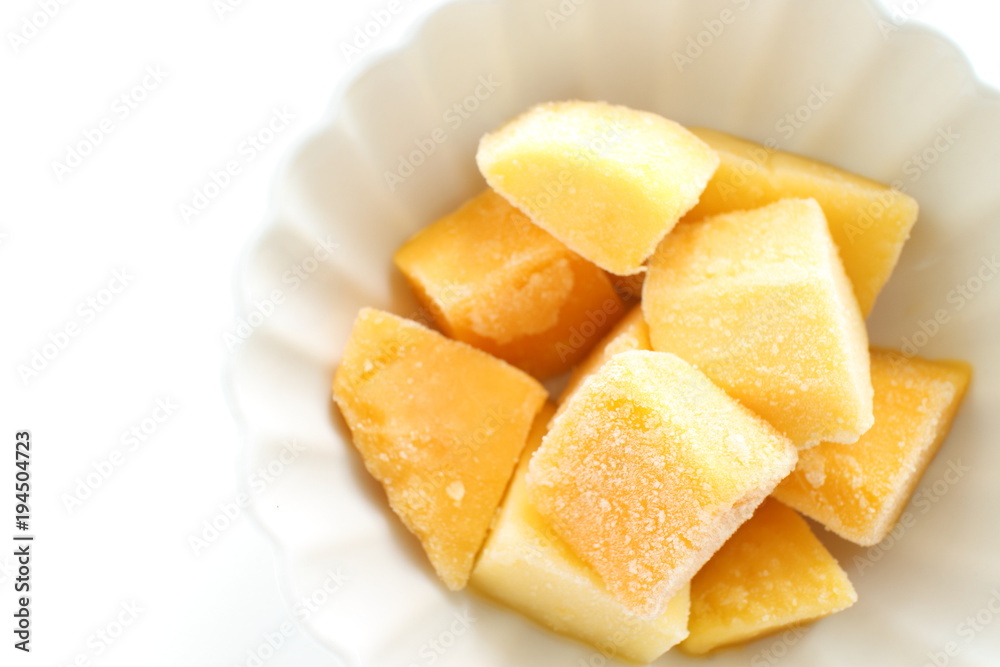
869, 221
526, 566
758, 301
606, 180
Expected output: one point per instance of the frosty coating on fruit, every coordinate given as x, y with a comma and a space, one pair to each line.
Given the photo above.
771, 574
858, 491
643, 495
606, 180
759, 302
440, 425
495, 281
525, 565
869, 221
649, 470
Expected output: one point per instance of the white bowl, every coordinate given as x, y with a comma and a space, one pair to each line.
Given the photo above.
860, 99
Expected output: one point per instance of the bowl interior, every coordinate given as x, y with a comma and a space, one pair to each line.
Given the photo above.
819, 78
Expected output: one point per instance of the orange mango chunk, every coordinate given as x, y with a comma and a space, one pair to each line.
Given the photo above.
440, 425
608, 181
772, 574
649, 469
629, 334
859, 491
526, 566
758, 301
869, 221
493, 280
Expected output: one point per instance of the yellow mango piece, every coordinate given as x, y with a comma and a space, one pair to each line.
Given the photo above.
493, 280
608, 181
869, 221
772, 573
629, 334
649, 469
859, 491
527, 567
440, 425
758, 301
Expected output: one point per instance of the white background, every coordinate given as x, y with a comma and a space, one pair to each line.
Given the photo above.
226, 68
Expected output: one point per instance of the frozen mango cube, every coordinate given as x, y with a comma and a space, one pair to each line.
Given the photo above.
608, 181
492, 279
758, 301
648, 470
859, 491
869, 221
629, 334
528, 567
440, 425
772, 573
